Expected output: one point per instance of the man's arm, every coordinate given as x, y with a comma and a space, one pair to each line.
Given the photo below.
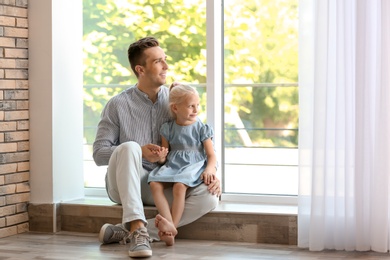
107, 135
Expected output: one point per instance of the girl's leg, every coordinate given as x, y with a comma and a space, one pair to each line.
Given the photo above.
179, 194
163, 220
160, 201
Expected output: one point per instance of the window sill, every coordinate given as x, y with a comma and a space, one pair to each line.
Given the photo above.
223, 206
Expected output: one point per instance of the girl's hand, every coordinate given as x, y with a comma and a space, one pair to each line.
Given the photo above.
207, 177
162, 153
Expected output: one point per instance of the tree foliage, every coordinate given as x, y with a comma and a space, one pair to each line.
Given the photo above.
260, 47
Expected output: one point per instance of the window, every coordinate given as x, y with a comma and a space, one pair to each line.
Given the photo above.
261, 97
109, 27
260, 89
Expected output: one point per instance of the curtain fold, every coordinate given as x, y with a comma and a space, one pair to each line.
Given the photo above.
344, 125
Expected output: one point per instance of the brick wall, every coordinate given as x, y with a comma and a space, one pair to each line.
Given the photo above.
14, 118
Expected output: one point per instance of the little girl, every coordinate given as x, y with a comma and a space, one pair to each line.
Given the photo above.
191, 159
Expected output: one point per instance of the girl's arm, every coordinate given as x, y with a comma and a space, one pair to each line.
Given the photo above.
209, 173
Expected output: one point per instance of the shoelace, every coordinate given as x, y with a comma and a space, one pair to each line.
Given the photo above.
119, 235
140, 239
125, 239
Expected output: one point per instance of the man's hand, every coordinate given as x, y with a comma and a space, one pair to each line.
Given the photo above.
154, 153
215, 187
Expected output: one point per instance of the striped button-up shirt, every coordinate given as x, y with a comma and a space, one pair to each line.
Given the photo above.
130, 116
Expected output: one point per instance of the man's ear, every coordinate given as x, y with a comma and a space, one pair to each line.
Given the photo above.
139, 69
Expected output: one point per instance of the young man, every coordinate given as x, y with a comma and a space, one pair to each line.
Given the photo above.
129, 142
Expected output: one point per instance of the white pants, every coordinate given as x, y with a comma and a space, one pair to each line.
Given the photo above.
127, 184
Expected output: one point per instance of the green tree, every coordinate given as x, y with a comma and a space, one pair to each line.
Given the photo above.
110, 26
260, 47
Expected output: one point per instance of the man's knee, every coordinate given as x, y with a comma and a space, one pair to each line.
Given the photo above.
129, 146
209, 201
213, 201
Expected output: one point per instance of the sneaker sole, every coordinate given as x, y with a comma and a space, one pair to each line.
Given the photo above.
140, 253
102, 231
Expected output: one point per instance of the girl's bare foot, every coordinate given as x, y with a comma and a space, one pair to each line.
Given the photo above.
167, 237
164, 225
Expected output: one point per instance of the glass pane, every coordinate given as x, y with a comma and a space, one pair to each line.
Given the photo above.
109, 27
261, 96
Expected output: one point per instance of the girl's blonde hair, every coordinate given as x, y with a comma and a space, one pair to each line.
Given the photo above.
177, 92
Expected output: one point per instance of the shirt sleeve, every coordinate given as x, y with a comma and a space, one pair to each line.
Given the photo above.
164, 131
206, 132
107, 136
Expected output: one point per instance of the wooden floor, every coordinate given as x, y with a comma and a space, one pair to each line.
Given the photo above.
70, 245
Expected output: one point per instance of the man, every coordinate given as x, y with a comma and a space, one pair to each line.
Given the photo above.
128, 141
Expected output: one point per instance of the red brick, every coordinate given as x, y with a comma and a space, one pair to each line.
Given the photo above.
16, 94
21, 22
13, 11
16, 219
24, 227
17, 198
23, 166
8, 168
17, 177
7, 42
7, 63
7, 189
14, 157
15, 32
8, 147
16, 115
16, 136
7, 210
23, 125
7, 84
7, 21
8, 231
22, 187
7, 126
15, 53
23, 146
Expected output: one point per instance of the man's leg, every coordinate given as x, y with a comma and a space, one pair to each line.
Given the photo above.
123, 180
123, 183
199, 201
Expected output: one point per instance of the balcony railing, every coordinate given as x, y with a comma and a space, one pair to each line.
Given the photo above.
249, 167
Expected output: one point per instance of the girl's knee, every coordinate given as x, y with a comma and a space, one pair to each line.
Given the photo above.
179, 187
156, 185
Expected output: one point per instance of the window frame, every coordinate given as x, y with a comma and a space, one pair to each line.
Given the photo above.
215, 108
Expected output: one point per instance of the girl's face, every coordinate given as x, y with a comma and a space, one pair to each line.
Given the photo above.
187, 111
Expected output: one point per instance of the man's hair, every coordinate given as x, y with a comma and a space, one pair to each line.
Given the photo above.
135, 53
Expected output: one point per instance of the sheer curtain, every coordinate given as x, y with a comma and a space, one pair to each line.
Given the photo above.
344, 138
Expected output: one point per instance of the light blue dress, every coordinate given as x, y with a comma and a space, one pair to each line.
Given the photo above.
187, 158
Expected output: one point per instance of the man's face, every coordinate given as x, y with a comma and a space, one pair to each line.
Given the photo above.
155, 68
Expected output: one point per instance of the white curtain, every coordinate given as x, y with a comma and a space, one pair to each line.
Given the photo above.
344, 125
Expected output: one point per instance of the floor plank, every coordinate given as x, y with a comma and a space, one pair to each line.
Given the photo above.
71, 245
